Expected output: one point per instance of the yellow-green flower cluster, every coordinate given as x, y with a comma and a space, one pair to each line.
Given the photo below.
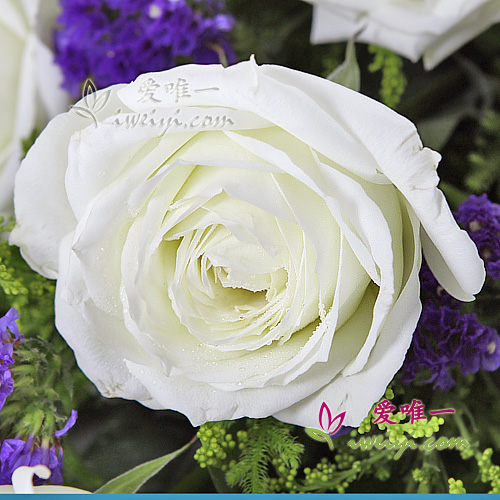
417, 429
421, 475
393, 82
488, 471
456, 486
286, 480
215, 443
328, 477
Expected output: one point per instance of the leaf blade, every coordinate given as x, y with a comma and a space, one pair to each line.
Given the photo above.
348, 73
132, 480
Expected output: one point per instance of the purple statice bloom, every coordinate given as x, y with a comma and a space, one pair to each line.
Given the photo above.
114, 41
444, 339
481, 219
432, 289
483, 353
9, 336
15, 453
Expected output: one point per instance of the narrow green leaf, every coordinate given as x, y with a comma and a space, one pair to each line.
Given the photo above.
436, 130
131, 481
348, 74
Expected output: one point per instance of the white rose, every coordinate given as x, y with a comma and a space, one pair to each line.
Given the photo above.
29, 93
255, 253
412, 28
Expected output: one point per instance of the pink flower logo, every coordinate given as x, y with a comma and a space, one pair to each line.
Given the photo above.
329, 425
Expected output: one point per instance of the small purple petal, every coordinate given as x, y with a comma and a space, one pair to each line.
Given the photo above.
12, 455
491, 351
8, 322
70, 423
9, 335
6, 386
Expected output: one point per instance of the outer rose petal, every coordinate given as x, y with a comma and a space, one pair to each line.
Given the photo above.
142, 226
433, 30
101, 354
40, 238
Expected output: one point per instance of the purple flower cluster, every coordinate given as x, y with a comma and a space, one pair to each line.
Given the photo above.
114, 41
15, 453
481, 219
9, 336
445, 338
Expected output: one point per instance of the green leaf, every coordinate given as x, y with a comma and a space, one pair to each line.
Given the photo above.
436, 130
267, 441
131, 481
348, 74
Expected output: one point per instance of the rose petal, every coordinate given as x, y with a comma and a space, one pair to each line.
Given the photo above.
355, 394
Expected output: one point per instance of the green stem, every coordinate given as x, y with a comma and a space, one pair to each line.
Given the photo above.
440, 465
464, 432
490, 384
